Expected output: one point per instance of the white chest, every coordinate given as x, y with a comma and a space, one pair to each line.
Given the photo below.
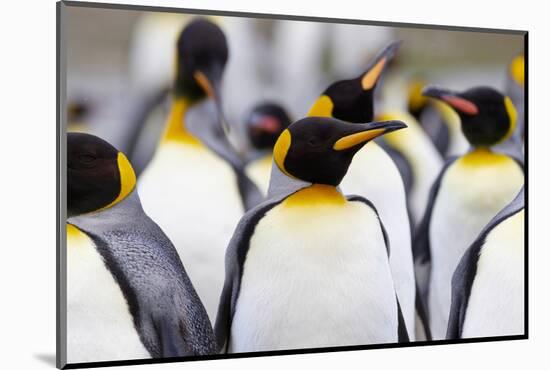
373, 175
315, 277
496, 305
99, 324
193, 196
471, 194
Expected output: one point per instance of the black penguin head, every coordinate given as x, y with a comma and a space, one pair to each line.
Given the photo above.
319, 150
265, 123
200, 61
353, 100
98, 175
487, 117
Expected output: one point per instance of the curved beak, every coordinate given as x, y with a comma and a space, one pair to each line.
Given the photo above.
373, 72
360, 134
209, 79
454, 99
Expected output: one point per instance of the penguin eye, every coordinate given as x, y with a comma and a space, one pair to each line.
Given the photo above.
312, 141
87, 158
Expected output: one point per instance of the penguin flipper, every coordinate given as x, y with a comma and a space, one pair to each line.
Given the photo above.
250, 194
421, 239
422, 313
402, 334
464, 275
235, 257
171, 339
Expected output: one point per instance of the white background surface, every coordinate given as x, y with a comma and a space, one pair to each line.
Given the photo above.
27, 182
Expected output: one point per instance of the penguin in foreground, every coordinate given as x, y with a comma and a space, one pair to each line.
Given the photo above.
469, 192
374, 175
128, 295
264, 124
488, 297
195, 186
309, 267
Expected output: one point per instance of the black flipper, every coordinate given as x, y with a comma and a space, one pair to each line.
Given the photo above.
422, 313
402, 334
421, 240
234, 261
170, 339
465, 272
437, 130
250, 194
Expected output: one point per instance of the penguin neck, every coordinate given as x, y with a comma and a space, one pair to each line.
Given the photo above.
281, 185
176, 129
481, 156
127, 211
316, 194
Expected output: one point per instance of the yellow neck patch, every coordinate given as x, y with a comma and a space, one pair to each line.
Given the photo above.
316, 194
512, 114
517, 70
322, 107
280, 150
175, 126
370, 78
483, 156
354, 139
127, 179
75, 237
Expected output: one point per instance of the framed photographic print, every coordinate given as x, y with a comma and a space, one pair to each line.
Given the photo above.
235, 184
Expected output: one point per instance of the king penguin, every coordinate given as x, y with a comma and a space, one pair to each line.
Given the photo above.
374, 175
264, 124
468, 193
309, 267
128, 295
195, 186
488, 297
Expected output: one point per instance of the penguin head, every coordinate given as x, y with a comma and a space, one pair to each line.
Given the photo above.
319, 150
265, 123
201, 57
200, 60
353, 100
98, 175
487, 117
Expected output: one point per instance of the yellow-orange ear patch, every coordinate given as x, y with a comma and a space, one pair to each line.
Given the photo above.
512, 114
280, 150
352, 140
462, 105
370, 78
127, 179
322, 107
